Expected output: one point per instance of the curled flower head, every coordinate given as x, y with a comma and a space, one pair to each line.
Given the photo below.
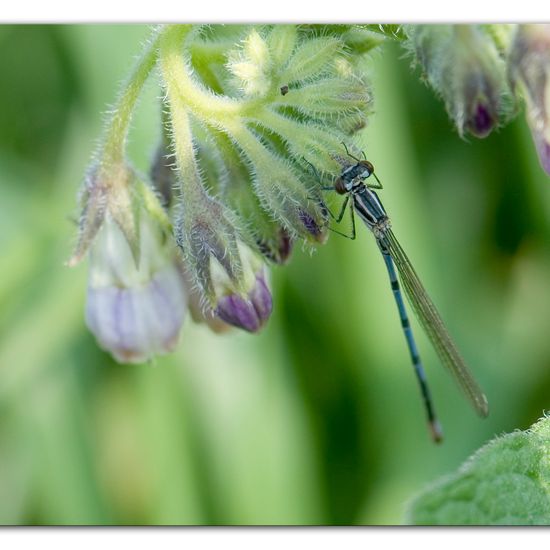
529, 71
247, 110
286, 96
463, 65
285, 100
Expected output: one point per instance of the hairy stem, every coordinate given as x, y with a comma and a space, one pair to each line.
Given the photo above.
117, 129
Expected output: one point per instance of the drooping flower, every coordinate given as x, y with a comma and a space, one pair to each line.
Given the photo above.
136, 300
463, 65
134, 311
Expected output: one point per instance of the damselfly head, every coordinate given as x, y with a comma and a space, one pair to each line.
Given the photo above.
355, 174
368, 168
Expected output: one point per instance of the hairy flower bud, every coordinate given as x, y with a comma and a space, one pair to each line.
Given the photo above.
278, 248
207, 237
200, 313
529, 71
251, 65
135, 312
228, 274
108, 193
463, 65
250, 309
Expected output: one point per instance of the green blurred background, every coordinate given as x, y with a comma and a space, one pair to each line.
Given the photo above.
317, 420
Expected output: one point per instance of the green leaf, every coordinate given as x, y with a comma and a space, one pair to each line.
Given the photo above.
506, 482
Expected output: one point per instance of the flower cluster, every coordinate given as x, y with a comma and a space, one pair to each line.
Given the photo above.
247, 111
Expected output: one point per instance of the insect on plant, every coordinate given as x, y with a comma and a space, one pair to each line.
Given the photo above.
364, 201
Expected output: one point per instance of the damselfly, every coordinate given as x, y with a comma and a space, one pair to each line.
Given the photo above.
367, 205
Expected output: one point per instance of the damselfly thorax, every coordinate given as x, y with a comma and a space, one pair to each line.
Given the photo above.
369, 208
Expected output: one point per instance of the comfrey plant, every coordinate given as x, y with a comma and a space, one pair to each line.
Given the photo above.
254, 119
246, 113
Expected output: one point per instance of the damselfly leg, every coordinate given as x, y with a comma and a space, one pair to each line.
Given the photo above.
340, 216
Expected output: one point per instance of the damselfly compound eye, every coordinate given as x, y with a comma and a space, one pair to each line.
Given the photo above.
368, 165
340, 186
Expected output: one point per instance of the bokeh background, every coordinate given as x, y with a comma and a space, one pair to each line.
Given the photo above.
318, 419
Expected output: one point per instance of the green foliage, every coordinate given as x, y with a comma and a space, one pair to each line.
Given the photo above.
36, 58
506, 482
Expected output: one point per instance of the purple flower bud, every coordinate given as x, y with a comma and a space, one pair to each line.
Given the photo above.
200, 313
134, 312
478, 100
222, 270
249, 312
225, 272
463, 65
481, 120
529, 71
318, 232
277, 250
245, 305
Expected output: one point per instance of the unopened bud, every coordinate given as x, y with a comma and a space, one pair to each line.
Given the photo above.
108, 194
250, 311
278, 248
463, 65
